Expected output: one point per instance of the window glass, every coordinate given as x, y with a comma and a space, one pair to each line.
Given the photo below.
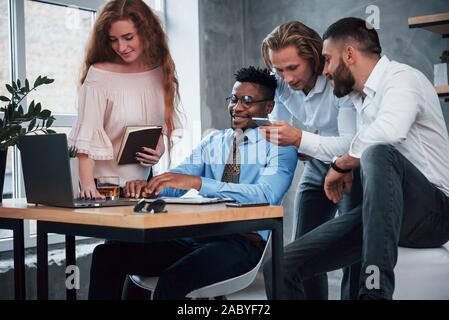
5, 77
5, 50
56, 37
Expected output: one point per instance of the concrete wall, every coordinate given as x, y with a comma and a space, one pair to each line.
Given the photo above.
416, 47
221, 54
232, 31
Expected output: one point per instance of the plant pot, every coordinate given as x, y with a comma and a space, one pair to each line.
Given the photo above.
441, 74
3, 155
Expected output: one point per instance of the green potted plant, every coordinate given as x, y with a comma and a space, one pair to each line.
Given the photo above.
16, 122
441, 70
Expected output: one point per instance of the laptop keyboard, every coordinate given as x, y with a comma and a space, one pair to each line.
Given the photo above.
99, 202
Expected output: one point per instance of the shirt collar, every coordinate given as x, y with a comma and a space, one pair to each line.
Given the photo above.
356, 99
253, 135
319, 87
376, 76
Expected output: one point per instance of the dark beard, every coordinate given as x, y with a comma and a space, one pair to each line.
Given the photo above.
343, 80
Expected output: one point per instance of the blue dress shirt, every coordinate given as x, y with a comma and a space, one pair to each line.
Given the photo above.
266, 170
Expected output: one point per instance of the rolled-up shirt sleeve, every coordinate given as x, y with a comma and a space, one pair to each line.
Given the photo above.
194, 165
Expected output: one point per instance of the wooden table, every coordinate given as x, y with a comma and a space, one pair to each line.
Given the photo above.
122, 224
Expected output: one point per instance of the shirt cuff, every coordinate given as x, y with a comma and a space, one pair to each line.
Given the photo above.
209, 187
355, 154
356, 148
309, 144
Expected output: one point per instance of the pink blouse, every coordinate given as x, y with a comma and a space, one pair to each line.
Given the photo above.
108, 102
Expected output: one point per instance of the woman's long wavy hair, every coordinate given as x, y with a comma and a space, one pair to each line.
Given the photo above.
156, 51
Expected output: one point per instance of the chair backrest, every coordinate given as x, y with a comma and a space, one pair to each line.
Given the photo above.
231, 285
217, 289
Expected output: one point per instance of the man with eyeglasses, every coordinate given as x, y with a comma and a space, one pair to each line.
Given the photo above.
293, 51
236, 163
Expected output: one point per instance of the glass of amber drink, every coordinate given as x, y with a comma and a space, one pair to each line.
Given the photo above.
109, 186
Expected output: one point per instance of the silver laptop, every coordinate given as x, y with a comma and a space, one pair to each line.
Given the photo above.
47, 177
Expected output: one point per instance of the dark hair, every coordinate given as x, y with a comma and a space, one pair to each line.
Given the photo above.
358, 30
307, 42
258, 76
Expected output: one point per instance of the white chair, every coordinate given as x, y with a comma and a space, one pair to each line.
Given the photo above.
215, 290
422, 274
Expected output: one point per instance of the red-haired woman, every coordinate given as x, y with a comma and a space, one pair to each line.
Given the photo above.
128, 79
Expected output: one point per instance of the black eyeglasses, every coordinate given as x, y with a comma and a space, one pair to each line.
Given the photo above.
245, 100
156, 206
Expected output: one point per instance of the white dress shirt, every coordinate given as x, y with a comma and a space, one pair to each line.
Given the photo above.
334, 119
402, 108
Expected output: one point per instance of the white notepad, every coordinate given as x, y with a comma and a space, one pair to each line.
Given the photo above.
191, 197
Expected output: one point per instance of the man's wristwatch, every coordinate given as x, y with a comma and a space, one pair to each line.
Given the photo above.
337, 168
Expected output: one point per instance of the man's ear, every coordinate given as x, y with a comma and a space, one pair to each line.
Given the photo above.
270, 106
349, 54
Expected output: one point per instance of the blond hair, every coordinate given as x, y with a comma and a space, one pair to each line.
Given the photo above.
307, 42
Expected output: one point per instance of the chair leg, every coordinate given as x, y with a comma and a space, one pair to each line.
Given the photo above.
131, 291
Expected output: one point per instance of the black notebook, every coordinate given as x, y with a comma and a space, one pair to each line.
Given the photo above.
134, 139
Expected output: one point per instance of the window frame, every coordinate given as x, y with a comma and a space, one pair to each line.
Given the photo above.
18, 71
